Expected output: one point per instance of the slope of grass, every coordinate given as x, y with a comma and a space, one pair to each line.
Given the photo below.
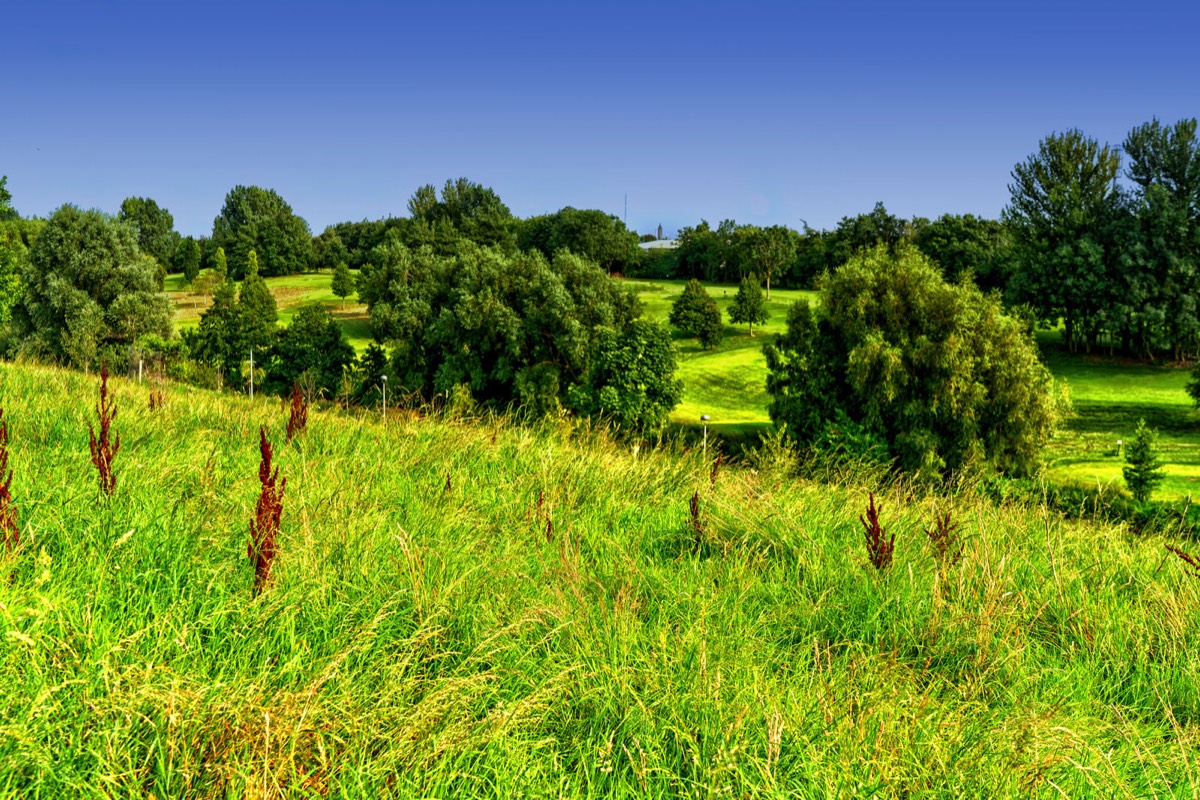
291, 292
436, 629
728, 382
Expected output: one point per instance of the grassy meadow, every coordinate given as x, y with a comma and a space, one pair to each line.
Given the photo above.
474, 608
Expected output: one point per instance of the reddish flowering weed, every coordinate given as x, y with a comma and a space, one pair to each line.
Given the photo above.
298, 418
9, 531
264, 527
879, 544
105, 446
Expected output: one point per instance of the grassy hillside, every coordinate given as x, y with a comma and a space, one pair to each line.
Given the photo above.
435, 630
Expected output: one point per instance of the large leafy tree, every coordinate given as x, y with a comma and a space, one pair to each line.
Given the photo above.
937, 371
631, 379
259, 219
464, 210
87, 287
1062, 211
328, 250
963, 243
769, 250
592, 234
312, 348
154, 226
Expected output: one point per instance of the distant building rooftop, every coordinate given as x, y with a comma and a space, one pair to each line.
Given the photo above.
660, 244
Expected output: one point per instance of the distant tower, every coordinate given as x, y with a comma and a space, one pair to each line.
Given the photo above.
660, 230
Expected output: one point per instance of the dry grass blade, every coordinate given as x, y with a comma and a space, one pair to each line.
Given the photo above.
1190, 560
947, 548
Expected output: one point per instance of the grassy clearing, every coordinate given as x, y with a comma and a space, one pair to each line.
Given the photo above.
428, 634
728, 382
291, 293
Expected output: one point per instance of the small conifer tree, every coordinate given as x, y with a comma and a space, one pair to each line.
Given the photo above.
256, 306
220, 265
697, 314
1144, 469
748, 305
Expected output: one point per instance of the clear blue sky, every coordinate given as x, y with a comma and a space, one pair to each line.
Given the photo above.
762, 112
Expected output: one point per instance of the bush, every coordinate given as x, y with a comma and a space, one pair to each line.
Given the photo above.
937, 372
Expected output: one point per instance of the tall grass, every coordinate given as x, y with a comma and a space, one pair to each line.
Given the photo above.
424, 635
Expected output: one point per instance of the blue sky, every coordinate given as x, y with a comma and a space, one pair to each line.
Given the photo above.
762, 112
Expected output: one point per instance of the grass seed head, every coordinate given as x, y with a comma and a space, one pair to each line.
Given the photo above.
879, 544
298, 418
264, 526
104, 446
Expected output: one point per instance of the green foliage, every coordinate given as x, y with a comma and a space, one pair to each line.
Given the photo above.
87, 286
1144, 471
7, 212
154, 226
256, 307
595, 235
749, 305
632, 378
769, 250
219, 339
937, 371
509, 328
963, 244
1064, 202
311, 350
187, 259
12, 254
328, 250
696, 313
342, 282
465, 210
260, 220
220, 265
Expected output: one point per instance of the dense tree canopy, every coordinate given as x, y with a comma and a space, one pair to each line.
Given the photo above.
87, 287
595, 235
696, 313
464, 210
936, 371
7, 212
312, 350
259, 219
154, 226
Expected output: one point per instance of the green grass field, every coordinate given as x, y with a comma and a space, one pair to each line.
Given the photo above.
291, 293
436, 630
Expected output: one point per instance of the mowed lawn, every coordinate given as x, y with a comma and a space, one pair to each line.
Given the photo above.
729, 382
292, 292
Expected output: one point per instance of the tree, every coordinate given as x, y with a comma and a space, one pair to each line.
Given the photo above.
963, 243
220, 265
632, 378
770, 249
465, 210
12, 253
1143, 472
187, 259
7, 212
592, 234
258, 219
256, 307
936, 371
342, 282
696, 313
328, 250
312, 347
154, 226
87, 287
1064, 200
748, 305
863, 232
218, 340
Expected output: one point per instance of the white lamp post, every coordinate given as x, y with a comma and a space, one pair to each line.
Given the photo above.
704, 419
384, 378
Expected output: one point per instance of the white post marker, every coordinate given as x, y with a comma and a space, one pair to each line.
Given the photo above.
704, 419
139, 370
384, 378
251, 372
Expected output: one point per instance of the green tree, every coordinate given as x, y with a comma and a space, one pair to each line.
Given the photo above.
7, 212
592, 234
632, 378
748, 304
770, 250
696, 313
342, 282
256, 307
963, 243
218, 340
314, 346
12, 253
1064, 200
328, 250
936, 371
259, 219
1143, 472
188, 259
87, 286
465, 210
154, 226
220, 265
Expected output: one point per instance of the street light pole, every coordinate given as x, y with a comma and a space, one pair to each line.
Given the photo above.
384, 377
